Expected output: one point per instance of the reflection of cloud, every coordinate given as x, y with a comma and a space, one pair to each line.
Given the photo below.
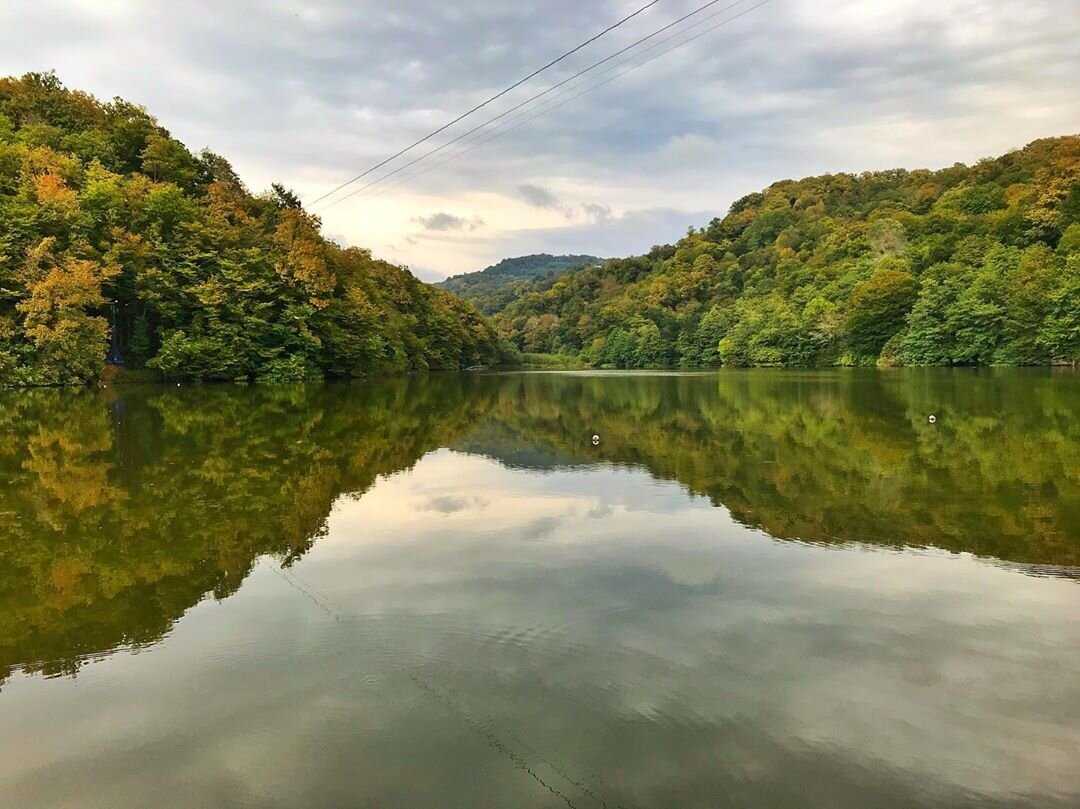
448, 504
444, 505
661, 657
542, 527
599, 512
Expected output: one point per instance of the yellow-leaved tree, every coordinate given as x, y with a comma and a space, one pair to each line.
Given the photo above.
69, 339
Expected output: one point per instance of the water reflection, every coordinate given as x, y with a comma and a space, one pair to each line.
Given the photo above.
121, 509
452, 598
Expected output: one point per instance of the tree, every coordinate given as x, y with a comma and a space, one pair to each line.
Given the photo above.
166, 160
1060, 335
829, 270
976, 319
70, 342
98, 202
1030, 296
878, 309
929, 340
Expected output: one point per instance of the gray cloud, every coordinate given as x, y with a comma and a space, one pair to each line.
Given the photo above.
446, 504
538, 196
339, 239
446, 221
597, 212
627, 234
431, 276
316, 93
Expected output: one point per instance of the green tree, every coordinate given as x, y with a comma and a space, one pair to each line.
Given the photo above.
878, 310
210, 282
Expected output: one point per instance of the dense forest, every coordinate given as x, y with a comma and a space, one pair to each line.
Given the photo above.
105, 218
969, 265
494, 288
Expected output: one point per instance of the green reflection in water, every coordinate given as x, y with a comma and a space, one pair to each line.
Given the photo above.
841, 456
121, 509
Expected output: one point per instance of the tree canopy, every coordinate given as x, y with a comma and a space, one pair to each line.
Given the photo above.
106, 218
969, 265
493, 288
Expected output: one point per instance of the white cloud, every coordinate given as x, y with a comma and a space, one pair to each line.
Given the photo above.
690, 149
318, 92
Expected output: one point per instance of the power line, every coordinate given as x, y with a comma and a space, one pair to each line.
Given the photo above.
495, 97
528, 101
544, 111
548, 107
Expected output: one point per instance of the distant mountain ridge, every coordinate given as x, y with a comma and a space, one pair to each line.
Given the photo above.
494, 287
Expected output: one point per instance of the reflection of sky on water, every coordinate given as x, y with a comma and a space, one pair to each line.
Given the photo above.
619, 636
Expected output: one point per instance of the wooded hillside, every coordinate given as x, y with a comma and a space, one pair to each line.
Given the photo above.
495, 287
969, 265
99, 204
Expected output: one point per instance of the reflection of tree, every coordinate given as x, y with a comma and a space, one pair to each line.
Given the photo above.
116, 520
837, 457
119, 511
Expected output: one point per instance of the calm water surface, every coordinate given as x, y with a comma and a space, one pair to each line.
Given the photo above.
762, 589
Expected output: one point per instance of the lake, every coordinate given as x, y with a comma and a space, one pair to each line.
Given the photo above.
758, 589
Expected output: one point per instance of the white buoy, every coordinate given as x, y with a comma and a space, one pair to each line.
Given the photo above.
933, 419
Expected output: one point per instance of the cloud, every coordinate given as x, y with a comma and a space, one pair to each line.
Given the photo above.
629, 233
424, 274
540, 197
537, 196
690, 150
597, 212
337, 238
315, 96
445, 221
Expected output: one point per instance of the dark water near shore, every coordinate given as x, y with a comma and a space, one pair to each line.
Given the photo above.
761, 589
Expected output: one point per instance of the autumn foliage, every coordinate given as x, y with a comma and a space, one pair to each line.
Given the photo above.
969, 265
105, 218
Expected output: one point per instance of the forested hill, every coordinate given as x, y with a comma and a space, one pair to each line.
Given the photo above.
99, 204
969, 265
493, 288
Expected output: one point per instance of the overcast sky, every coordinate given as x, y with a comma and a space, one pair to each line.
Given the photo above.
311, 94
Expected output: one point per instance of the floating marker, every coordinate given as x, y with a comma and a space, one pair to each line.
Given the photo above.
933, 419
596, 440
